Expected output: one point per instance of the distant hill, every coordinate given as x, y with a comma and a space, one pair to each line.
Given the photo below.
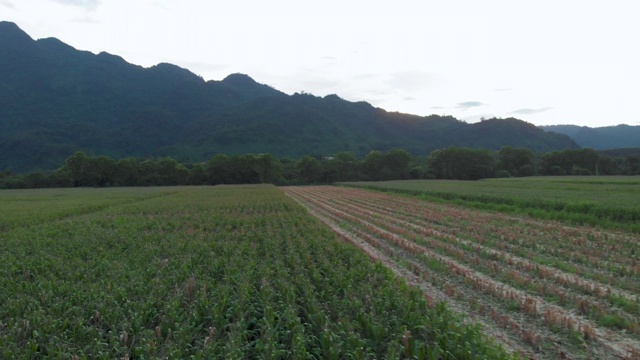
601, 138
55, 100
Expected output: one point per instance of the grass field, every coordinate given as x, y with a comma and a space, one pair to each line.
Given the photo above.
219, 272
545, 289
608, 201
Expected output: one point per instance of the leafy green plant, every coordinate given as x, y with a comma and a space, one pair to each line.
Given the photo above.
207, 273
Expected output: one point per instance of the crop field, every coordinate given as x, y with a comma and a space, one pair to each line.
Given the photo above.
608, 201
544, 289
224, 272
22, 208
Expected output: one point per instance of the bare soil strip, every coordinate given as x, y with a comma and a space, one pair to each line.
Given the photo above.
451, 256
416, 224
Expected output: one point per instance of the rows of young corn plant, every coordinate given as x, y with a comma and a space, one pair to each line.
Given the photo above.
219, 272
605, 201
559, 290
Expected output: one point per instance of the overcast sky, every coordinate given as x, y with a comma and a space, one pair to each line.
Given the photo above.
546, 62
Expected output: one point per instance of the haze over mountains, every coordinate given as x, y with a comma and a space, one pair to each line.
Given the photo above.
55, 100
601, 138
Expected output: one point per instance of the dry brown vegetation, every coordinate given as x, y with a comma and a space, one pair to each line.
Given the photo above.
543, 289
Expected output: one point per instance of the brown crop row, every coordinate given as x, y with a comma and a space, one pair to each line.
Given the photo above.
489, 266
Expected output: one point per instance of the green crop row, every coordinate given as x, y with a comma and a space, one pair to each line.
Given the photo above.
210, 273
20, 208
612, 204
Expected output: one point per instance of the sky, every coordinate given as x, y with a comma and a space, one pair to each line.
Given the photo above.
542, 61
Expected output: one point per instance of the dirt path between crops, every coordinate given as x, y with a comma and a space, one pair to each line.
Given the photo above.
613, 347
594, 288
432, 294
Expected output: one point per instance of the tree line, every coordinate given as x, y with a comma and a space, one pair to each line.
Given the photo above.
460, 163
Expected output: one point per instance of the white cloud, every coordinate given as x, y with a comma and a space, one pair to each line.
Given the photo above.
528, 111
363, 77
89, 4
466, 105
409, 80
7, 4
85, 20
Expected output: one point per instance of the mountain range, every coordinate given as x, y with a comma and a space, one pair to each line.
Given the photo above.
601, 138
55, 100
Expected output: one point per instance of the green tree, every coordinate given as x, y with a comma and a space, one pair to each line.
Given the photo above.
197, 174
517, 161
218, 170
607, 166
244, 169
35, 180
81, 170
462, 163
127, 172
171, 172
633, 165
397, 161
346, 166
269, 169
105, 168
309, 170
571, 161
148, 173
372, 165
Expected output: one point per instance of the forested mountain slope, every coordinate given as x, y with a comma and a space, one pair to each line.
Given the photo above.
602, 138
55, 100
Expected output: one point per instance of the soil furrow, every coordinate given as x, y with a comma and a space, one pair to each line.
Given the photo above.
325, 201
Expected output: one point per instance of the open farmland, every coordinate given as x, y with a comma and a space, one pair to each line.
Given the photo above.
26, 208
543, 288
608, 201
225, 272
